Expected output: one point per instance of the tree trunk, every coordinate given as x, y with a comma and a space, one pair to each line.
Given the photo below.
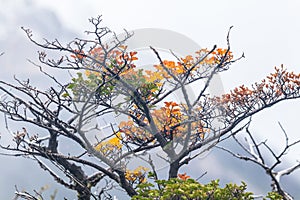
174, 167
125, 185
84, 195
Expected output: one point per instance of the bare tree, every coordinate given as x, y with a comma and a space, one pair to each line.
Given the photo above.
254, 153
108, 83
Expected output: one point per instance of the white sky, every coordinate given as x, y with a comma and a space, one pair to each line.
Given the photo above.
266, 31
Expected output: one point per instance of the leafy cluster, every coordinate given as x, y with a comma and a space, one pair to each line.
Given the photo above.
189, 189
139, 93
244, 100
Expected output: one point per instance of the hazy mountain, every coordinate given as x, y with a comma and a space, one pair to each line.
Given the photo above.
22, 172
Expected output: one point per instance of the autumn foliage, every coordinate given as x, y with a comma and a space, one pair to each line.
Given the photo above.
106, 82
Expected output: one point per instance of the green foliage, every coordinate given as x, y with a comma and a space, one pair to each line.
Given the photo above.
178, 189
81, 85
84, 85
273, 196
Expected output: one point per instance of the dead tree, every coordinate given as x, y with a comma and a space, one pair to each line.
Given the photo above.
254, 154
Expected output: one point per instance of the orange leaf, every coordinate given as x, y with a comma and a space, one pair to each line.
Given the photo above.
78, 54
183, 176
132, 53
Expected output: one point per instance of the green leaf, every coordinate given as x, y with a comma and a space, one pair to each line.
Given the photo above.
71, 86
65, 95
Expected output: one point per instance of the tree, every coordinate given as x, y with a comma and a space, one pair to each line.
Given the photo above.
106, 82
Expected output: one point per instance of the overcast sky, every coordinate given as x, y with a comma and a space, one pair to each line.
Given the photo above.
266, 31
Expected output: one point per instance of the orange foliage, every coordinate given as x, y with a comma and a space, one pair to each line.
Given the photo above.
137, 175
78, 55
215, 57
191, 64
170, 119
133, 132
168, 116
183, 176
279, 85
110, 146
